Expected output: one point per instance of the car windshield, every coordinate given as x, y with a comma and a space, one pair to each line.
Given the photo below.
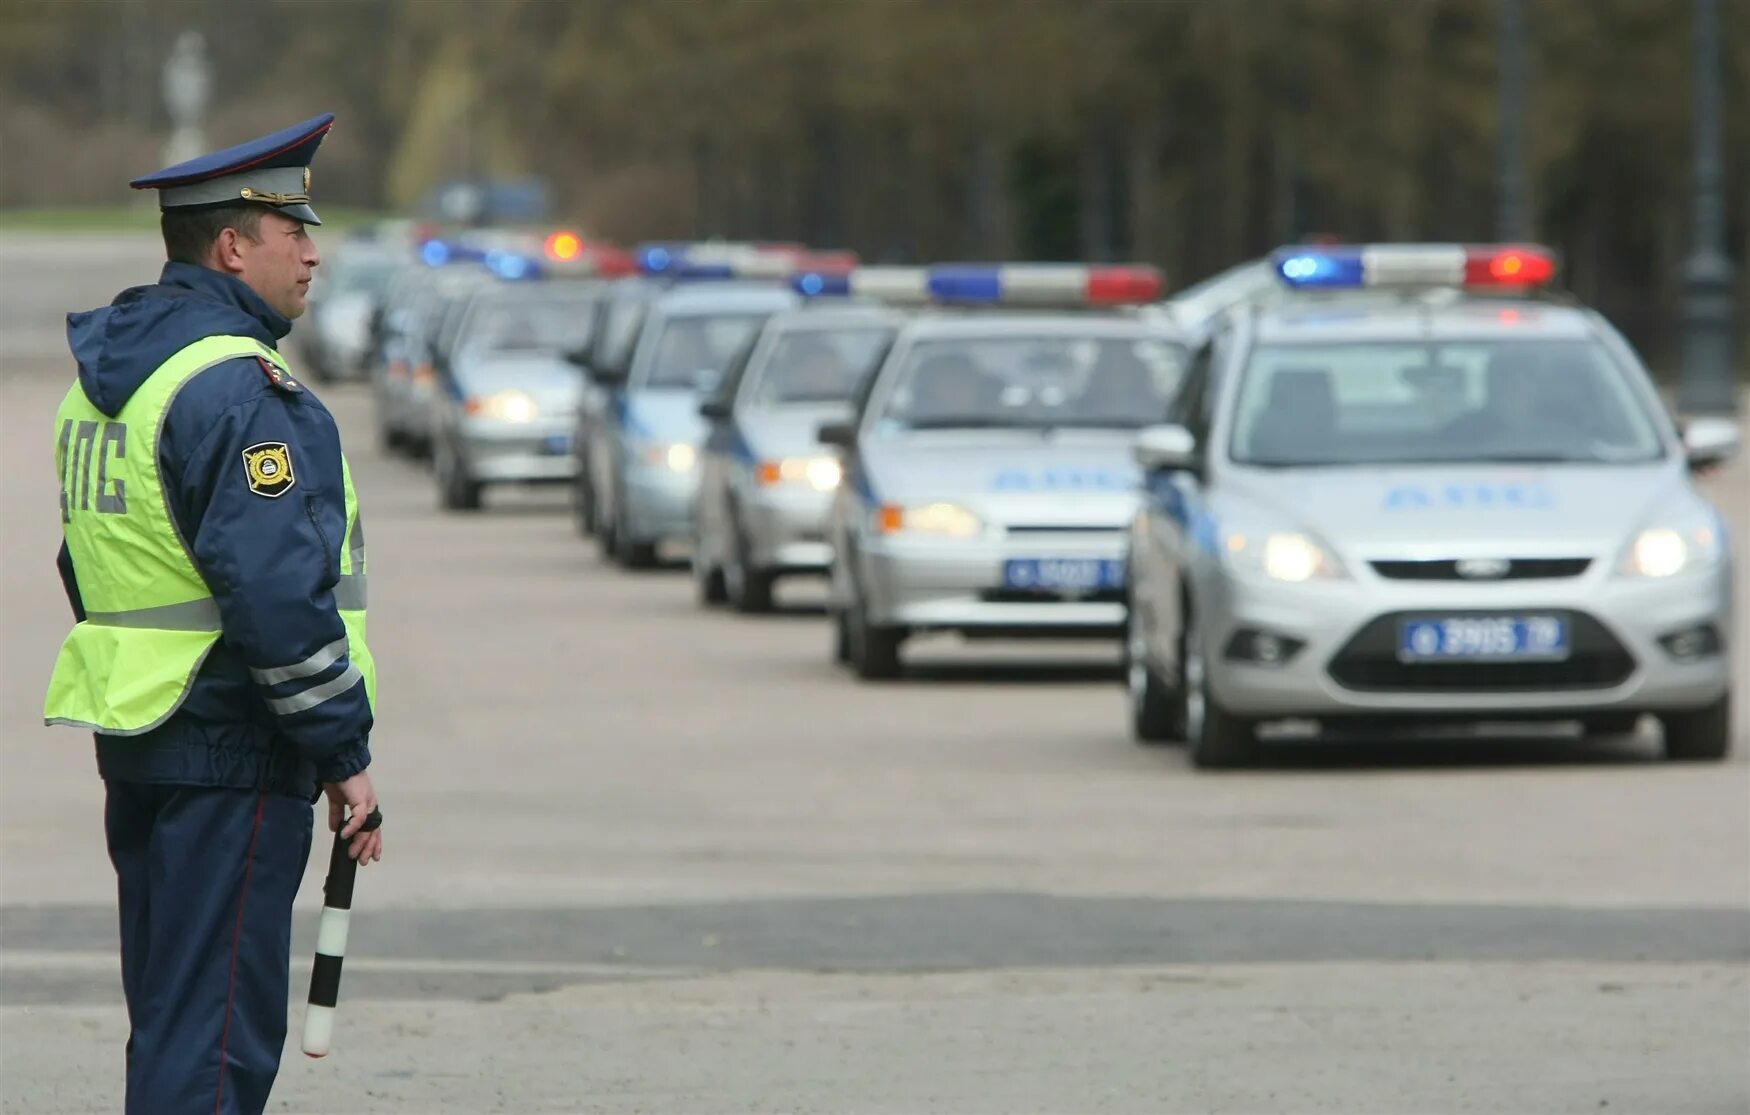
818, 366
529, 326
692, 351
364, 276
1122, 382
1420, 403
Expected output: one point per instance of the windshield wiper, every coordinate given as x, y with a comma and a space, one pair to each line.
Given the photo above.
967, 422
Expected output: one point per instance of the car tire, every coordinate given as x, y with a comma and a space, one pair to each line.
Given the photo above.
873, 650
391, 440
1702, 735
1215, 737
1151, 703
749, 589
841, 638
707, 578
457, 491
626, 551
583, 506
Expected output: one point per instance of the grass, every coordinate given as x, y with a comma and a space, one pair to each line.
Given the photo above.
137, 218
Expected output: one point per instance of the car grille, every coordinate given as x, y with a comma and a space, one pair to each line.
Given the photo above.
1051, 596
1369, 662
1518, 569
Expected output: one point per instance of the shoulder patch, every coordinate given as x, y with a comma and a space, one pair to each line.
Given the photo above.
267, 466
278, 378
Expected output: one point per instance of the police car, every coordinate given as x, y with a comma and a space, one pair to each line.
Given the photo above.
639, 433
404, 379
337, 335
1451, 499
988, 469
767, 483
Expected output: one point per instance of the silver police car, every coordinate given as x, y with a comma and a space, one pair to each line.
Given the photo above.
989, 478
767, 482
1463, 502
511, 395
640, 440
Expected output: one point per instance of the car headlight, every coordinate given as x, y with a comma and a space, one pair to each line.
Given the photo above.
948, 520
820, 473
1283, 556
506, 406
1669, 550
676, 457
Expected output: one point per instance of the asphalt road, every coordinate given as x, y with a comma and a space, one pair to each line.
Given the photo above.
642, 858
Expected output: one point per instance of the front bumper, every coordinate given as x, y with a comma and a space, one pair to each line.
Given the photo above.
957, 585
1347, 664
786, 529
520, 452
659, 504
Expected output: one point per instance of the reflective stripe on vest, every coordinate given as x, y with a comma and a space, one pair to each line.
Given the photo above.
150, 619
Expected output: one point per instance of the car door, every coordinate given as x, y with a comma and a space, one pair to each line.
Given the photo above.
719, 457
1172, 509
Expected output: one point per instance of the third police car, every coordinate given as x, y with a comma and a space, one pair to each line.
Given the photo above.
988, 474
1436, 497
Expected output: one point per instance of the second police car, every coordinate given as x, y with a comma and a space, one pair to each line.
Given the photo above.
1448, 499
988, 470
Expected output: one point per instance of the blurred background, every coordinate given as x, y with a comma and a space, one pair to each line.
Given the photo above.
1190, 135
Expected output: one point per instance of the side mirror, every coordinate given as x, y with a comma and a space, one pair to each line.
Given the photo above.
714, 408
840, 434
607, 377
1709, 441
578, 356
1167, 448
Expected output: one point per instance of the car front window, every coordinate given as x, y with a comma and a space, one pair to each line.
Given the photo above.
1512, 400
813, 366
692, 351
1123, 382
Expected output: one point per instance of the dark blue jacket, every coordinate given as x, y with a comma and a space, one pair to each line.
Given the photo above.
272, 563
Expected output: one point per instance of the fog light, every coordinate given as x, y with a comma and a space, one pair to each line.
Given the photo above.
1263, 648
1692, 642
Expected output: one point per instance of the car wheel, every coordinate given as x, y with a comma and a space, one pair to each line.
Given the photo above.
1215, 737
841, 638
1151, 705
873, 650
627, 552
749, 589
1699, 735
583, 504
457, 491
707, 578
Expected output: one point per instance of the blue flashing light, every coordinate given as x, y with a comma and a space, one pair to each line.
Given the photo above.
435, 253
511, 265
965, 284
814, 284
685, 270
1336, 268
655, 259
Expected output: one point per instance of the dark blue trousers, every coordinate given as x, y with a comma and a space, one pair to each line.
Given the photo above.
205, 878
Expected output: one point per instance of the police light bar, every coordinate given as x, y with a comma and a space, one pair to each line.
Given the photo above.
1008, 284
437, 253
738, 261
1501, 266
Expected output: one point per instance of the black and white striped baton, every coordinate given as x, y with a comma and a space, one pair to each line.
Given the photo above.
331, 942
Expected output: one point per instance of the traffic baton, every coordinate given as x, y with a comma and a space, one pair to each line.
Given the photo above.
331, 943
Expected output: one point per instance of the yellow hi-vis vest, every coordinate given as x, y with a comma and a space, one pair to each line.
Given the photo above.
150, 619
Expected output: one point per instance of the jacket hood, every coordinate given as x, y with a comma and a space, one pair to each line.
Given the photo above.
120, 345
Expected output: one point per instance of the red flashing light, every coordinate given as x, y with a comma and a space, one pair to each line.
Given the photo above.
1508, 267
1120, 285
613, 263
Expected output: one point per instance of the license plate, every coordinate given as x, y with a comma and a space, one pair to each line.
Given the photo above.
557, 443
1063, 574
1491, 637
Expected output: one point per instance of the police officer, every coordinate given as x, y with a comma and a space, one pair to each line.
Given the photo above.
215, 561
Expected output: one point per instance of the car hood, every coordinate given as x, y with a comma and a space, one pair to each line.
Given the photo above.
553, 382
1446, 511
1067, 478
663, 416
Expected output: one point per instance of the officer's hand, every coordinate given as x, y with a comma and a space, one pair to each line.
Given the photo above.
355, 794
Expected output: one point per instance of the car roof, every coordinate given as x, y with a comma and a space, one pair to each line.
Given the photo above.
810, 317
1420, 319
724, 297
995, 324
